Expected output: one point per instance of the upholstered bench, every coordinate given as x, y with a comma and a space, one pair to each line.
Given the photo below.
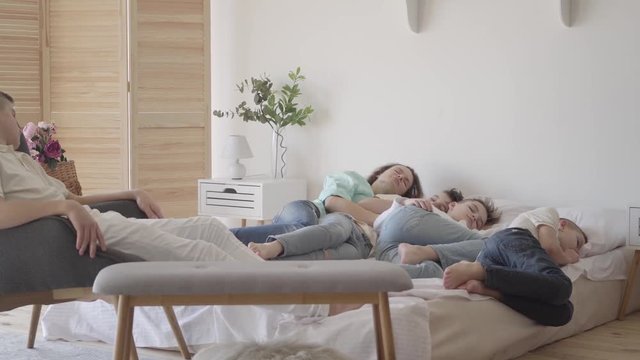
242, 283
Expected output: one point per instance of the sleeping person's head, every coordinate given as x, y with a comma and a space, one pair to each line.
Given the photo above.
442, 199
395, 179
570, 235
476, 212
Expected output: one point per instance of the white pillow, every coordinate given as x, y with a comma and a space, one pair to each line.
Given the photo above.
508, 211
606, 229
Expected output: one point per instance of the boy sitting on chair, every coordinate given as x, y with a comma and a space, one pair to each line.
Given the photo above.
28, 193
519, 266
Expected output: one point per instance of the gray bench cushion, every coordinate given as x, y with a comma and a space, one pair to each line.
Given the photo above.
211, 278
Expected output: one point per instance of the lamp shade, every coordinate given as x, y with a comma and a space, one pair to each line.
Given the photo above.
237, 147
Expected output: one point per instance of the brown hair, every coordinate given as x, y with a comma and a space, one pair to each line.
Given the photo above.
493, 214
414, 191
454, 194
574, 226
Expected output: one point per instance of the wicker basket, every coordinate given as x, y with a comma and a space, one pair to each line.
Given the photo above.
66, 172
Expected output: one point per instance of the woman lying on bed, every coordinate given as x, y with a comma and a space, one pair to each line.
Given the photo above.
347, 192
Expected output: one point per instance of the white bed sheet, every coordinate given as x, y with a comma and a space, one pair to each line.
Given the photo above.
351, 333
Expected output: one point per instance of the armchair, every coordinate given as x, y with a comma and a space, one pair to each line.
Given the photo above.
39, 265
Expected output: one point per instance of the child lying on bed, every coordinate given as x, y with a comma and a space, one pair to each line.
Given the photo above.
447, 242
339, 236
519, 266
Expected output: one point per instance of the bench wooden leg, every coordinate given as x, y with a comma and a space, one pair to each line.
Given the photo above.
378, 329
387, 331
628, 289
130, 345
177, 332
33, 326
121, 330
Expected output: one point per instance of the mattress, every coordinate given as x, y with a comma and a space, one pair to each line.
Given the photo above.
462, 329
428, 324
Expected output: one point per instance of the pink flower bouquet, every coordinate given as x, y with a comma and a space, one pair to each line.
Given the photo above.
42, 144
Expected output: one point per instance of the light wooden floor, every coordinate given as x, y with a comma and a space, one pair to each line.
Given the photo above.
617, 340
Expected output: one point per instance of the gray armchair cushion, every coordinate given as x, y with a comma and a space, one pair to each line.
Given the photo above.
41, 255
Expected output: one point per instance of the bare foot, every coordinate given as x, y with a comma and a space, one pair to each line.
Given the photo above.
478, 287
267, 250
459, 273
415, 254
335, 309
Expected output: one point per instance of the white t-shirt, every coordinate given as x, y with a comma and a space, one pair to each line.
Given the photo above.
22, 178
530, 220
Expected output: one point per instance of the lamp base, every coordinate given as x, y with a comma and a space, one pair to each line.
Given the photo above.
237, 170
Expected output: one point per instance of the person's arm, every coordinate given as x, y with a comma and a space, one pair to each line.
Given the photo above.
18, 212
548, 237
149, 206
375, 205
338, 204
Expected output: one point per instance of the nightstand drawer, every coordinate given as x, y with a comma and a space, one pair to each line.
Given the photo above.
257, 199
227, 199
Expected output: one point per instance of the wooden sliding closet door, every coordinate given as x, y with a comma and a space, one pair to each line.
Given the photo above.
86, 47
170, 109
20, 62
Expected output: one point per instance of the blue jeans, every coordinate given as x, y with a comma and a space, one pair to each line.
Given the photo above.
530, 282
293, 216
452, 242
336, 237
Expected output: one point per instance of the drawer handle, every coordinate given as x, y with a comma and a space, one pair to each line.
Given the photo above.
229, 191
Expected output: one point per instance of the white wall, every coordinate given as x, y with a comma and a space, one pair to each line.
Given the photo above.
494, 96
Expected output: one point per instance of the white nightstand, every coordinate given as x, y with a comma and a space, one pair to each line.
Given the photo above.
249, 198
633, 241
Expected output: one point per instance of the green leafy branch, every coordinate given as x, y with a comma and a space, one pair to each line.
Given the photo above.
278, 109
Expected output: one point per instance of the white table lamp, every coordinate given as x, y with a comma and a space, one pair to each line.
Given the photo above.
237, 148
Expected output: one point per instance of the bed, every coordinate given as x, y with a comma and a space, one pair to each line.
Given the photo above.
428, 321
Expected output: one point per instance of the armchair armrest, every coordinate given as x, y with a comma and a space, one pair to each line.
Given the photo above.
41, 255
128, 208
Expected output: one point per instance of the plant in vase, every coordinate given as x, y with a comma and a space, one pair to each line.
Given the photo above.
276, 108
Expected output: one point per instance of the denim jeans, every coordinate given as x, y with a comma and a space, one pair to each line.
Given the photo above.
293, 216
416, 226
531, 283
336, 237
